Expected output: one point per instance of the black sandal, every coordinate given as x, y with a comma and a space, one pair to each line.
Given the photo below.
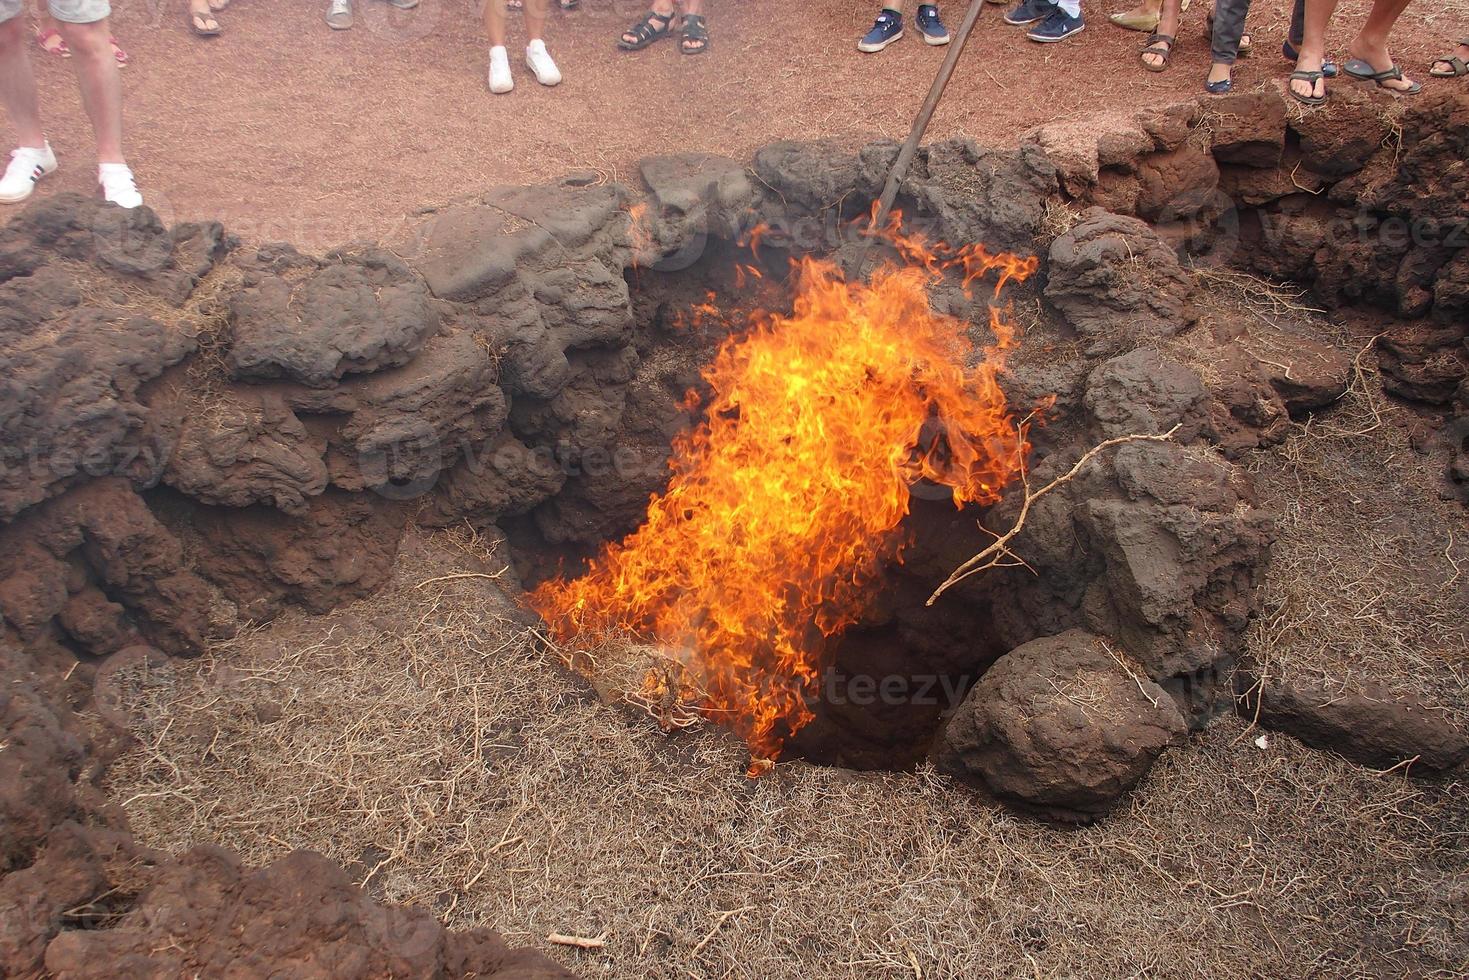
644, 33
1307, 76
1363, 72
694, 30
1159, 44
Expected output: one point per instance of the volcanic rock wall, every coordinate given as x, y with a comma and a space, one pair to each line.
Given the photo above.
199, 432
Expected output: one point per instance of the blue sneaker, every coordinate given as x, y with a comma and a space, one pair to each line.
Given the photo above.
1030, 11
885, 30
934, 31
1057, 27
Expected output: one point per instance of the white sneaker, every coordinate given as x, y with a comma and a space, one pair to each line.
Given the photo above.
115, 180
500, 80
28, 164
538, 59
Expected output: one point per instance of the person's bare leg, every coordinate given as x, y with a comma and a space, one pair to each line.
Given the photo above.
101, 84
1370, 44
1312, 52
535, 19
495, 22
1168, 18
18, 84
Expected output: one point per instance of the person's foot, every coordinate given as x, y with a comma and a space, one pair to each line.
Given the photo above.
118, 54
339, 15
538, 60
1309, 90
885, 30
1143, 17
53, 43
1057, 27
500, 80
1220, 80
1446, 66
1379, 60
201, 21
115, 181
1155, 56
930, 25
1030, 12
28, 164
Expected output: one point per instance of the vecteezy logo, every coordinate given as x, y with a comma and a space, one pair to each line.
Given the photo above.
127, 682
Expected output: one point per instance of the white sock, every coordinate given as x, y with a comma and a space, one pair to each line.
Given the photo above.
1072, 8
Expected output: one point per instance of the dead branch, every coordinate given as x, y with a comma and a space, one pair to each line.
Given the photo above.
998, 554
580, 942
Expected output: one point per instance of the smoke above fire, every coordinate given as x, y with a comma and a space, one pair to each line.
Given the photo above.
782, 504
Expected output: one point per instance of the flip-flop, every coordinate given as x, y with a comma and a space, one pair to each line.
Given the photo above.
1159, 44
694, 29
44, 39
202, 30
118, 54
1363, 72
1307, 76
1457, 65
1289, 53
570, 4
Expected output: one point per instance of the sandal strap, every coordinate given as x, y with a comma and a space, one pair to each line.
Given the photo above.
644, 29
1165, 38
1307, 76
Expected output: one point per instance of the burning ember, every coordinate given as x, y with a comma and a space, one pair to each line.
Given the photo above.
783, 503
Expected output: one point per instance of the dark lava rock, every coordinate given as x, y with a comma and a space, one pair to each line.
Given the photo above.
1248, 128
1367, 725
997, 197
203, 913
244, 446
72, 383
357, 312
813, 175
1145, 393
340, 547
104, 530
1117, 283
1060, 725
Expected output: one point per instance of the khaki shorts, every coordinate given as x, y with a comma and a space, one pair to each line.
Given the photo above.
66, 11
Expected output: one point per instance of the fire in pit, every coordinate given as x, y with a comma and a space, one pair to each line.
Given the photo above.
782, 504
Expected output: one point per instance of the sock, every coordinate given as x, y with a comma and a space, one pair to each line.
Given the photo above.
538, 46
1072, 8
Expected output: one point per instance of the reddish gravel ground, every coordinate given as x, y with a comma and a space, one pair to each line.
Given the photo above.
287, 130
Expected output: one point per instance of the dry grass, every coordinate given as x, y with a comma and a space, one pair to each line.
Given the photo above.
1369, 576
434, 746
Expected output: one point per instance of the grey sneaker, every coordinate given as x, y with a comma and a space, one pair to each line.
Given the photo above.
339, 15
403, 4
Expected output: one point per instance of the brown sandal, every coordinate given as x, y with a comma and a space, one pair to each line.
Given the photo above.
1158, 44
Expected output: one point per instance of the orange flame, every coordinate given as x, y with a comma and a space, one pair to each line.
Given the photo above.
782, 504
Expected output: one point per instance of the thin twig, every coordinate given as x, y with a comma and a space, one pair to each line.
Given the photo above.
998, 554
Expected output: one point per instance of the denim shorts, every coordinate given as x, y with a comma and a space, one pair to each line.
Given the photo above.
66, 11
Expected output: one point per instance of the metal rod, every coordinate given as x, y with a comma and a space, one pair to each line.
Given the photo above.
925, 113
